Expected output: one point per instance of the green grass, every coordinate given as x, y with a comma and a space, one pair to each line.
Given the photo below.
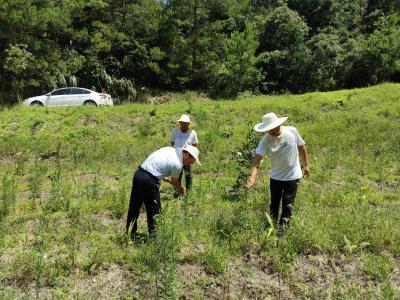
66, 178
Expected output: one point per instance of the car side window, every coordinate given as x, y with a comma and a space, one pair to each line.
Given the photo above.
61, 92
76, 91
86, 92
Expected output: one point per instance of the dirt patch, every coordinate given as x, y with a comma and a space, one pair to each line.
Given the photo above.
159, 99
8, 160
110, 282
245, 278
255, 277
104, 219
104, 181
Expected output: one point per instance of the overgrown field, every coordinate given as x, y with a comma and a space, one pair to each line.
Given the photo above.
66, 177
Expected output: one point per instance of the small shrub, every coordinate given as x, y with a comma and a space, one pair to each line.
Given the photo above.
216, 259
119, 203
243, 157
93, 189
8, 195
72, 237
36, 180
55, 203
378, 267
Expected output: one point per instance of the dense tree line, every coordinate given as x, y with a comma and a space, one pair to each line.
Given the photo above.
220, 47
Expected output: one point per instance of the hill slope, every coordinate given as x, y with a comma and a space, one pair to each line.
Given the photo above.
66, 178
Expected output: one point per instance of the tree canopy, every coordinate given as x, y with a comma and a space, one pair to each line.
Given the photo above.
220, 47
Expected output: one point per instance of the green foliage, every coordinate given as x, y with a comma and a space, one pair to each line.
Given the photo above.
378, 267
207, 46
283, 39
216, 259
8, 194
244, 160
160, 254
18, 59
66, 175
119, 201
238, 71
283, 29
326, 61
18, 63
36, 180
382, 49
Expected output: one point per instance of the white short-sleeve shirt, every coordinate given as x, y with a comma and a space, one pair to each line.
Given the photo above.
164, 162
283, 152
182, 139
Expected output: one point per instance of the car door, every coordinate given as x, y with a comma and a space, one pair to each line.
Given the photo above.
75, 97
57, 97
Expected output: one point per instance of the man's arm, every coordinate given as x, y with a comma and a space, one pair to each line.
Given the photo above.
254, 171
178, 186
304, 157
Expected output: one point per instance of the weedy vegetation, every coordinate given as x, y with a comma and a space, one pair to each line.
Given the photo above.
66, 177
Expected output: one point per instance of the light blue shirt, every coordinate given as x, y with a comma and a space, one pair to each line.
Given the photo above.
165, 162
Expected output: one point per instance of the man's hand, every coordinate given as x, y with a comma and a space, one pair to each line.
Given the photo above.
250, 182
254, 171
178, 186
304, 156
306, 171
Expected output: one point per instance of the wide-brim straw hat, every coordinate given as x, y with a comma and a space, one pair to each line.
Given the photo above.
193, 151
184, 119
269, 121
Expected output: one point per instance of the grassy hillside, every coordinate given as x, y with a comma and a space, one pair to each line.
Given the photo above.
66, 178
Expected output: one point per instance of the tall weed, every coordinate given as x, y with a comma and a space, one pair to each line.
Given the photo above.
8, 195
35, 182
167, 246
119, 200
55, 202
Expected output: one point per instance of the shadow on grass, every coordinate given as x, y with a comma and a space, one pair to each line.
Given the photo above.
140, 238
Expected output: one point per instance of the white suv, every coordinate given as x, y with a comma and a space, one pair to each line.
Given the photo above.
70, 96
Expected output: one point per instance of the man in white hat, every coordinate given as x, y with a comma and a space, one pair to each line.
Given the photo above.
283, 145
164, 164
181, 137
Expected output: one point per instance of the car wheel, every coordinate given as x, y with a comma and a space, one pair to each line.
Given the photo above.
36, 103
90, 103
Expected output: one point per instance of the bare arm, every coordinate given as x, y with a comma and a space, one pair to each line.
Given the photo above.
304, 157
175, 182
254, 171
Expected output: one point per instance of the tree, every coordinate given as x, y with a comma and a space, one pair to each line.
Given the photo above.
327, 56
238, 70
17, 63
283, 40
379, 57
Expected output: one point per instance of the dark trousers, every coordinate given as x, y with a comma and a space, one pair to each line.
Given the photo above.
188, 176
145, 189
285, 191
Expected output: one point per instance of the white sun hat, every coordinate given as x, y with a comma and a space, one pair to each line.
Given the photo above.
269, 121
193, 151
184, 118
